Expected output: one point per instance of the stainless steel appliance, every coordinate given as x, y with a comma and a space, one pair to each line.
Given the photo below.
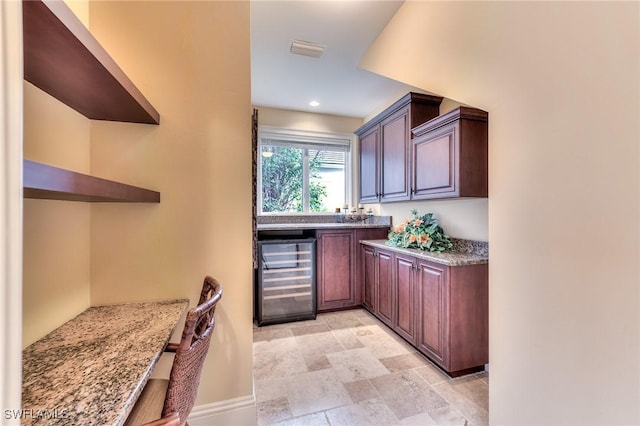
286, 286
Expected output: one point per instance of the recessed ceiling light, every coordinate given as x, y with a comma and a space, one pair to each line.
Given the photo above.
314, 103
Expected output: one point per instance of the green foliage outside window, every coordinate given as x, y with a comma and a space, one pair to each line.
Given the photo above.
282, 182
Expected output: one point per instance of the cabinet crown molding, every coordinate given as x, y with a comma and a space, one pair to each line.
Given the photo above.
411, 97
461, 112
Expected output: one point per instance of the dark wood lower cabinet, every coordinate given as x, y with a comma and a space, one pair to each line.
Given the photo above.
338, 266
405, 323
432, 312
442, 310
385, 299
368, 262
335, 269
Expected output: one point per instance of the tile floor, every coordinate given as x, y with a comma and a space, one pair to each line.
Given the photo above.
347, 368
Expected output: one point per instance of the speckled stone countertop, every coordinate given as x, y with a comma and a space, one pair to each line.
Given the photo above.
294, 226
91, 370
454, 258
302, 222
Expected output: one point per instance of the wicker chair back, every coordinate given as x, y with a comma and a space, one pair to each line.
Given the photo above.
192, 351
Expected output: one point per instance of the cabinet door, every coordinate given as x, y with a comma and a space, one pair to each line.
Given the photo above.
365, 234
385, 296
435, 163
395, 159
432, 311
335, 269
368, 277
369, 166
405, 319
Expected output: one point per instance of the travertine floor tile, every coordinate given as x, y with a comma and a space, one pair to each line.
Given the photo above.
404, 362
310, 329
356, 364
316, 391
445, 416
273, 411
348, 339
448, 416
407, 394
282, 344
268, 389
372, 412
381, 345
318, 343
484, 376
361, 390
269, 365
347, 368
469, 395
269, 334
337, 323
432, 374
316, 362
316, 419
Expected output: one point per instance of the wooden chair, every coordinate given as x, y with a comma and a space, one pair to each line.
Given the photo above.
173, 399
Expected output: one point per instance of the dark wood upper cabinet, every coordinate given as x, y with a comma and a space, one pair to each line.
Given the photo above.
63, 59
369, 160
395, 161
385, 144
450, 156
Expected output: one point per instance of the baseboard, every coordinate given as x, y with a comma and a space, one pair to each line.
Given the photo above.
231, 412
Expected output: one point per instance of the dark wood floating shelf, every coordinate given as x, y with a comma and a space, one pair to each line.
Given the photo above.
62, 58
52, 183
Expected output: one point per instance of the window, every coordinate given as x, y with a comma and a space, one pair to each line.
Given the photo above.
304, 172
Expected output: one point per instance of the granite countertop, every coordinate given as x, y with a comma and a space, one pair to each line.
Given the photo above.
294, 226
457, 258
321, 221
91, 370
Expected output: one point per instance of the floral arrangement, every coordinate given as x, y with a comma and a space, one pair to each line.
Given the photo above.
420, 232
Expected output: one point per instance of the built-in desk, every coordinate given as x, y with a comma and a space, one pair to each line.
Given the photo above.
91, 370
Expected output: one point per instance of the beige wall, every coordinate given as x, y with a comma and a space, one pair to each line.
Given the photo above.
56, 258
302, 120
56, 252
191, 60
560, 82
459, 218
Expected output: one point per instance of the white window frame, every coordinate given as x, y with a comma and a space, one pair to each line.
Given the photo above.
280, 134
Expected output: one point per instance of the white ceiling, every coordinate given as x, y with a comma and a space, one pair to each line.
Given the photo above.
280, 79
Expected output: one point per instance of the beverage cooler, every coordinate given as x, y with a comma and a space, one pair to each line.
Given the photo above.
286, 285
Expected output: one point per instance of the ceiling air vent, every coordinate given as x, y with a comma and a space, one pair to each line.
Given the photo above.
306, 48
